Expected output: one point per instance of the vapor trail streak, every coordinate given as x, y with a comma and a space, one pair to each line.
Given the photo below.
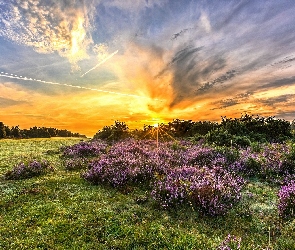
100, 63
68, 85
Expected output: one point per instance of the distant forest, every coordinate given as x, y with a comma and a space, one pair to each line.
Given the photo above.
238, 131
34, 132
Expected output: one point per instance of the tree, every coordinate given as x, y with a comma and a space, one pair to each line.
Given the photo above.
114, 132
2, 130
8, 131
293, 127
15, 132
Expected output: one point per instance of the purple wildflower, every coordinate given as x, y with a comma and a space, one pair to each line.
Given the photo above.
28, 170
286, 204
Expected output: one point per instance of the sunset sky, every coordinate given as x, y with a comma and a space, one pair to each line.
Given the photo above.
80, 65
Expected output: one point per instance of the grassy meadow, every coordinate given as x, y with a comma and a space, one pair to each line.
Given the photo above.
60, 210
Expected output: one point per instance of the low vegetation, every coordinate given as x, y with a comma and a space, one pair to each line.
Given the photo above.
124, 192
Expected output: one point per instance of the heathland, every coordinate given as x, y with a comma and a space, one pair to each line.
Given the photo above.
217, 190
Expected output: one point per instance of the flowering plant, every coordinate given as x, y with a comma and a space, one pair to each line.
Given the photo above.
84, 149
286, 204
28, 170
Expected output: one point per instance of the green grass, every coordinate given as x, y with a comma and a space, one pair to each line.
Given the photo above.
62, 211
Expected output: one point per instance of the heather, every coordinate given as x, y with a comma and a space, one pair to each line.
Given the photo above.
211, 191
286, 197
84, 149
181, 195
28, 170
271, 162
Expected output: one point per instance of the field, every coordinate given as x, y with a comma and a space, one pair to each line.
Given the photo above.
61, 210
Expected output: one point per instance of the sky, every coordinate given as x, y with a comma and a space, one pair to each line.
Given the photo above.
83, 64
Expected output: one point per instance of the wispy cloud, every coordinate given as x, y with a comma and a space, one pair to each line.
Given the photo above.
134, 5
7, 102
282, 100
51, 26
279, 83
229, 102
205, 21
219, 80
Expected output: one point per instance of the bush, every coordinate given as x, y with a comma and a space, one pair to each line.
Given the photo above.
126, 162
230, 154
288, 164
219, 137
28, 170
85, 149
212, 191
242, 141
270, 162
177, 173
173, 187
286, 204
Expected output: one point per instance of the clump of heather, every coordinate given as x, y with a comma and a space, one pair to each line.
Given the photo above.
231, 242
203, 156
189, 155
126, 163
289, 178
286, 204
84, 149
137, 161
28, 170
179, 173
270, 163
172, 188
116, 172
212, 191
289, 161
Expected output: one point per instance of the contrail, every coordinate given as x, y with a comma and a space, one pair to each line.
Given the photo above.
14, 76
100, 63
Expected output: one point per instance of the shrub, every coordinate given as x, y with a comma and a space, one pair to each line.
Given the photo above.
172, 188
212, 191
270, 162
231, 155
288, 163
202, 156
177, 173
28, 170
117, 172
286, 204
126, 162
242, 141
219, 137
84, 149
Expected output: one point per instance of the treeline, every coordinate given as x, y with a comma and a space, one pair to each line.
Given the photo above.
34, 132
229, 132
